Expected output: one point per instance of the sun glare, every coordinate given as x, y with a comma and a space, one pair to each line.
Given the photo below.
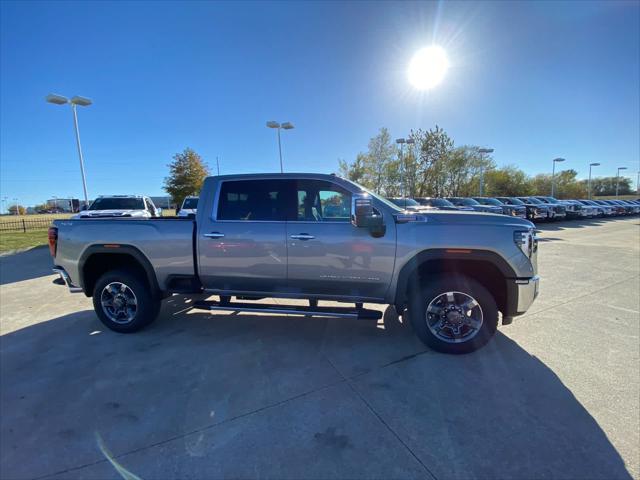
428, 67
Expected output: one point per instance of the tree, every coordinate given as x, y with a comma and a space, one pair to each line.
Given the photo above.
377, 168
566, 185
606, 186
20, 209
186, 175
507, 181
433, 148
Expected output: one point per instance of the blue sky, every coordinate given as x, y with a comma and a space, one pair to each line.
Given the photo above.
534, 80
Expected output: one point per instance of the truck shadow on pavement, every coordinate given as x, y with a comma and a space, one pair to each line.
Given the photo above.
203, 394
17, 267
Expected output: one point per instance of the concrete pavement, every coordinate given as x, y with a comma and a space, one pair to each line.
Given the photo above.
555, 395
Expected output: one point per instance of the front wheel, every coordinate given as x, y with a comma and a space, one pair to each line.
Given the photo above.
453, 314
124, 302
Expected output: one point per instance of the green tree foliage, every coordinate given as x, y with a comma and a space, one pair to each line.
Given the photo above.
433, 167
433, 149
606, 186
566, 185
19, 208
375, 169
507, 181
186, 175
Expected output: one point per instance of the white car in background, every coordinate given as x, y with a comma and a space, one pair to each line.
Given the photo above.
189, 207
109, 206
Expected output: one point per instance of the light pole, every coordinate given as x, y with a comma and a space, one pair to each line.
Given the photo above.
482, 152
401, 142
286, 126
15, 201
618, 179
589, 184
74, 101
218, 165
553, 175
4, 200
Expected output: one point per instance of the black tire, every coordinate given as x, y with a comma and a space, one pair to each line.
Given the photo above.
147, 304
433, 288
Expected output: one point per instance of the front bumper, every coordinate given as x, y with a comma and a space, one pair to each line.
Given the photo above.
521, 294
64, 279
528, 290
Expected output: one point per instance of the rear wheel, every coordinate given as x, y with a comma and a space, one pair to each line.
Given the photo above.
124, 302
453, 314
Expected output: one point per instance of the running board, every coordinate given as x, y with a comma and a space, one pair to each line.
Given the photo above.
341, 312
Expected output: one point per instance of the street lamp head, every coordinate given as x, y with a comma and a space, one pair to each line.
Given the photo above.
272, 124
594, 164
485, 150
287, 125
559, 159
622, 168
401, 140
410, 141
56, 99
82, 101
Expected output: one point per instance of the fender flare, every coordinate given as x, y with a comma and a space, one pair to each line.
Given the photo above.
457, 254
117, 249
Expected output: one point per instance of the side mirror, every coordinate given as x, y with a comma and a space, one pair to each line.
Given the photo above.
363, 215
83, 208
361, 210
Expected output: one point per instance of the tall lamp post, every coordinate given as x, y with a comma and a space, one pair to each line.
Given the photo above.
589, 184
286, 126
482, 152
618, 179
74, 102
15, 201
401, 142
553, 175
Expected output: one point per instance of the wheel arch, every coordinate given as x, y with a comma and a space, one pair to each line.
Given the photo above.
486, 267
98, 259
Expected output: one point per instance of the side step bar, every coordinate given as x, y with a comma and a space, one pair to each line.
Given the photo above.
341, 312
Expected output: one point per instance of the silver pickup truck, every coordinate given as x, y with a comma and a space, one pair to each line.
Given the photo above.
313, 237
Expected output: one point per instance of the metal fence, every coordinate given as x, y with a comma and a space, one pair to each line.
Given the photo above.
25, 224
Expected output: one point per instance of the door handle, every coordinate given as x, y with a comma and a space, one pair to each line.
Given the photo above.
214, 235
303, 236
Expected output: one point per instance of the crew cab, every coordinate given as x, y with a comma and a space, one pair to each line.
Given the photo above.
307, 236
121, 206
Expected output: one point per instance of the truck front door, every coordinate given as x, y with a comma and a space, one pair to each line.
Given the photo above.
327, 255
242, 242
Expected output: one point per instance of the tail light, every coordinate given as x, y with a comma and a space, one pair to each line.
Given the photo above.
53, 240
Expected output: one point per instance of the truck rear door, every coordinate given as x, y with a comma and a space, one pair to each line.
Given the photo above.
242, 244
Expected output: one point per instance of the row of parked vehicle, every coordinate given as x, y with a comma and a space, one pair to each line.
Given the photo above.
536, 208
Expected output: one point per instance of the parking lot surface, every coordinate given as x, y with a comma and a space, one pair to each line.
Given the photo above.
554, 395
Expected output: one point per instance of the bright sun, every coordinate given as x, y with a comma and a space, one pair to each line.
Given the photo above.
428, 67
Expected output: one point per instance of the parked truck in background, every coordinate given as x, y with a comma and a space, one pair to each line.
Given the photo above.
307, 236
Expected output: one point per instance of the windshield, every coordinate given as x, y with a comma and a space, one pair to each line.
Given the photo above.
464, 201
117, 203
436, 202
489, 201
531, 200
191, 203
389, 204
405, 202
550, 199
516, 201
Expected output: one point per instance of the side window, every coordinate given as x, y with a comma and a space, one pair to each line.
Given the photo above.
253, 200
321, 201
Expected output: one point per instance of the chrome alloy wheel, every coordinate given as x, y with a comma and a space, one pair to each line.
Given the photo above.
119, 303
454, 317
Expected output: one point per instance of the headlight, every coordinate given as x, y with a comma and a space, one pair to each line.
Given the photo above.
526, 241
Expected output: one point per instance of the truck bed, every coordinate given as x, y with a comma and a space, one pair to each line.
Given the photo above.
166, 242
